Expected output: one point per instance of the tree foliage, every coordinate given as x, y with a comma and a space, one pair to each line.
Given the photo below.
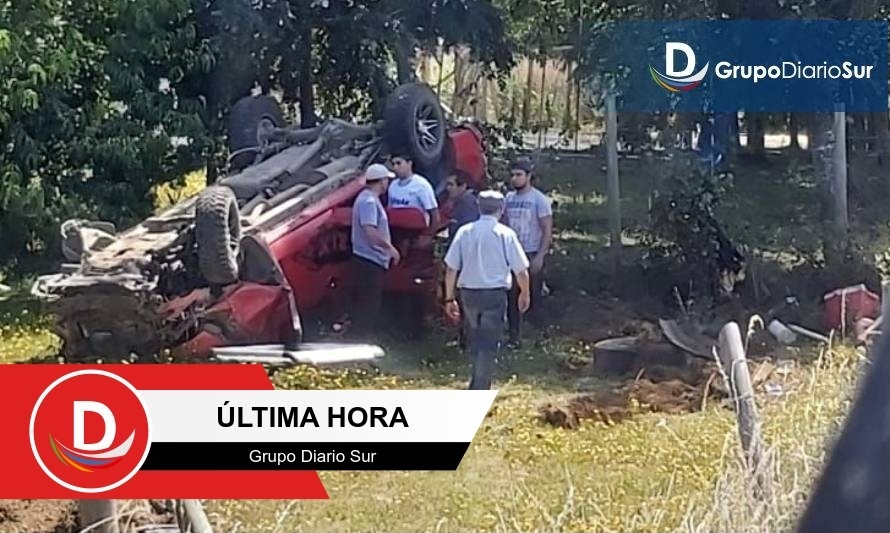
104, 99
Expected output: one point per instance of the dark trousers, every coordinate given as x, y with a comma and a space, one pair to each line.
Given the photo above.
368, 286
462, 327
514, 317
484, 312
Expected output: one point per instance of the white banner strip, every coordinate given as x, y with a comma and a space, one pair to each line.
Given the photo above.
316, 416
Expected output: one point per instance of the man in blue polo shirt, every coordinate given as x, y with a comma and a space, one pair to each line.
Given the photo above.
372, 250
482, 260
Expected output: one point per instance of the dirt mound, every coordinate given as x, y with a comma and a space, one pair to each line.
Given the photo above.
38, 516
60, 516
663, 390
672, 396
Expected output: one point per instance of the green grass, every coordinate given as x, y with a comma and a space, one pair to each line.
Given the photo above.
652, 473
25, 331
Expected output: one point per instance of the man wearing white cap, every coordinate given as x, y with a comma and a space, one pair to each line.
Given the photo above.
481, 262
372, 250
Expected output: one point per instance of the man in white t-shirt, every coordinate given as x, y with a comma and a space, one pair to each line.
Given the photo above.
412, 190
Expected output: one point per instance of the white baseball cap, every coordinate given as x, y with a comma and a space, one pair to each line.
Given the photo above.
378, 172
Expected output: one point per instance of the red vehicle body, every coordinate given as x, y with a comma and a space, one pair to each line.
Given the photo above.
266, 246
250, 257
312, 251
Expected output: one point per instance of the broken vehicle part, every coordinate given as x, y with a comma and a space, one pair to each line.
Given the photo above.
240, 261
316, 354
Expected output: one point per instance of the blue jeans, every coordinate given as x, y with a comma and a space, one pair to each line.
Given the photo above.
484, 316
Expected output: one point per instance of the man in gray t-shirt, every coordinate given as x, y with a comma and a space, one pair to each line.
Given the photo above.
529, 214
372, 250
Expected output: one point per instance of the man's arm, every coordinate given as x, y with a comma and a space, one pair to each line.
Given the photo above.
450, 284
453, 265
429, 202
516, 258
522, 280
367, 216
545, 219
453, 259
375, 237
434, 218
546, 223
519, 264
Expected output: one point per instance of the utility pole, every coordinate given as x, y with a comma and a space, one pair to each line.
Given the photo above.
613, 185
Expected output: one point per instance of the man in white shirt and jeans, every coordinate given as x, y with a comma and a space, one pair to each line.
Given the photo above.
482, 261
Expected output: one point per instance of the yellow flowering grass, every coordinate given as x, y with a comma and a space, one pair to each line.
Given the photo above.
650, 473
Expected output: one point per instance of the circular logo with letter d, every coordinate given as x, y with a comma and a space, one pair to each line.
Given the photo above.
90, 431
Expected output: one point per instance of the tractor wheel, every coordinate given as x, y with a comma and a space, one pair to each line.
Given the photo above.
414, 122
246, 117
218, 235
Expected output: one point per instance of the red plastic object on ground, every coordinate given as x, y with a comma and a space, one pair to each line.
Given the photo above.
843, 307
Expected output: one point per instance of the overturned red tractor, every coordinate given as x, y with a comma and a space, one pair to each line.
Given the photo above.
238, 263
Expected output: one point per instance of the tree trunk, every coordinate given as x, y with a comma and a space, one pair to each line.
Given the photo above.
514, 100
495, 92
613, 184
483, 101
567, 112
756, 145
542, 127
839, 181
738, 133
881, 129
306, 79
858, 133
425, 68
577, 111
404, 55
212, 173
441, 73
458, 77
527, 95
793, 131
828, 148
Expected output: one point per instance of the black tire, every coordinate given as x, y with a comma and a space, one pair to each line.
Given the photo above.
405, 108
245, 118
218, 235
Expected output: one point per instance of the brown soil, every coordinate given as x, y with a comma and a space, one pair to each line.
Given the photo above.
60, 516
591, 319
659, 389
37, 516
